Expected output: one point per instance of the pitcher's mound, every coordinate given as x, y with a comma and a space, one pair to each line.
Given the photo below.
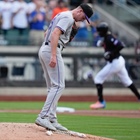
27, 131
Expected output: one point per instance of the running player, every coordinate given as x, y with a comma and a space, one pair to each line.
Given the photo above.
115, 65
61, 31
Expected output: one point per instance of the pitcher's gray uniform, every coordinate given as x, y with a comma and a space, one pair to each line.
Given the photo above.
61, 30
64, 21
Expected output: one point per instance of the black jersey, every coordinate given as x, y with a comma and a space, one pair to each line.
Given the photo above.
113, 45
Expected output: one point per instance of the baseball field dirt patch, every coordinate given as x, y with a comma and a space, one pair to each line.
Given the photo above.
28, 131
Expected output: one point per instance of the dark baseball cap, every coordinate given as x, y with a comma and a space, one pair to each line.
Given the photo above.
87, 10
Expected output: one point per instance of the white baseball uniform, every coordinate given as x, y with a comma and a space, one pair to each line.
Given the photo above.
117, 64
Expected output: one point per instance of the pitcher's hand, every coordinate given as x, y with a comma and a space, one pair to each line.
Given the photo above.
52, 62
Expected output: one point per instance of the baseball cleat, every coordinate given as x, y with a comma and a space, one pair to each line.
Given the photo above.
98, 105
58, 126
44, 122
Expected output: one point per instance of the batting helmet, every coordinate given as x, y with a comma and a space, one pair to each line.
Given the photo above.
102, 28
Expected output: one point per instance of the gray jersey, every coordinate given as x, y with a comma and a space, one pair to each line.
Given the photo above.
64, 21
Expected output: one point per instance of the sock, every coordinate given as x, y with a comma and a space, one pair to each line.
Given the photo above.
100, 92
134, 90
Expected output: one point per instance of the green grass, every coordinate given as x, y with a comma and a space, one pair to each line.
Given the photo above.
111, 127
76, 105
21, 105
110, 105
18, 117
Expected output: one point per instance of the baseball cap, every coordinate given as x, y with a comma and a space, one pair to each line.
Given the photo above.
87, 10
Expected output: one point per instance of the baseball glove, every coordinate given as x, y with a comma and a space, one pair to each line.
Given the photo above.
108, 56
73, 32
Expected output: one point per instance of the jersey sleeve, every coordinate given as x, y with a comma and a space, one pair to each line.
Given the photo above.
63, 24
118, 43
115, 42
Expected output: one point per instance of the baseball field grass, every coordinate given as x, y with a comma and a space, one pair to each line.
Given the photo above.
118, 128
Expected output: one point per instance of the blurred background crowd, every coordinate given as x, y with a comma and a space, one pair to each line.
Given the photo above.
23, 22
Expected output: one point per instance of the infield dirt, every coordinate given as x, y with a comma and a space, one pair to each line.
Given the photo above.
24, 131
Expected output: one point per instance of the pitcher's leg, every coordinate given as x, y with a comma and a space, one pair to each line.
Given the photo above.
43, 120
56, 75
58, 86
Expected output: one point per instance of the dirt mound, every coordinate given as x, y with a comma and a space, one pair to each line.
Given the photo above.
27, 131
